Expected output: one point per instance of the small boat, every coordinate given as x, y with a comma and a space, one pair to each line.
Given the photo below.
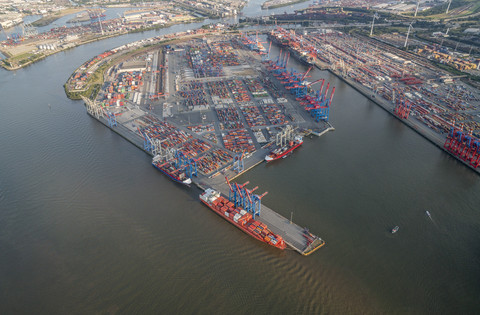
395, 229
428, 213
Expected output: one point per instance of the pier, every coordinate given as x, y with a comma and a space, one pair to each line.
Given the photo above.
296, 237
215, 117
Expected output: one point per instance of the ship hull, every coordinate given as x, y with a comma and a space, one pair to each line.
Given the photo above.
266, 236
272, 157
176, 179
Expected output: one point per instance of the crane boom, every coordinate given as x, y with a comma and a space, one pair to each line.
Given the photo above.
263, 195
331, 97
305, 74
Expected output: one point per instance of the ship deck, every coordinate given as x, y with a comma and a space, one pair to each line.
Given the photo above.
129, 118
292, 233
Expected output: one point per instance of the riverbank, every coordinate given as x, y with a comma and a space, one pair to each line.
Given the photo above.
274, 4
95, 216
84, 16
423, 118
95, 70
415, 125
46, 20
135, 122
25, 57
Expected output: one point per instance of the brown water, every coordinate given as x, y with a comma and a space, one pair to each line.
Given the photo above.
87, 225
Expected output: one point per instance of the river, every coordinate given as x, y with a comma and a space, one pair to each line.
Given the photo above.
253, 8
88, 226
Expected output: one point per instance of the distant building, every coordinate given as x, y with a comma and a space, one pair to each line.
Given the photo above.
10, 22
133, 66
472, 31
439, 34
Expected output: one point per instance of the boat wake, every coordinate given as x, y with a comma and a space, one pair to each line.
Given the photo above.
429, 216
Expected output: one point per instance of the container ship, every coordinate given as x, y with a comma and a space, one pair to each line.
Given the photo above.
285, 150
301, 55
167, 168
241, 218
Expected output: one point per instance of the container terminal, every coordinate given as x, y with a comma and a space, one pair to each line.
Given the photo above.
208, 109
435, 104
211, 108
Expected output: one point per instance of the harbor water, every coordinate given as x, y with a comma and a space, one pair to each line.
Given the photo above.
87, 225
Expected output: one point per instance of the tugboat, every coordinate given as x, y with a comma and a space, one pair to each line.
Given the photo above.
395, 229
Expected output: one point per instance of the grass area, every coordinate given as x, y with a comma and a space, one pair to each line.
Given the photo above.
203, 12
18, 61
22, 60
94, 84
46, 20
284, 4
96, 81
438, 12
154, 27
18, 58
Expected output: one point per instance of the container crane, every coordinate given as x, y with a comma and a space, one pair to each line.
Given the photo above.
410, 27
448, 7
191, 167
257, 204
305, 74
375, 16
416, 9
232, 193
238, 162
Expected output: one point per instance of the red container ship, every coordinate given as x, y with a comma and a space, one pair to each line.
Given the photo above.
241, 218
167, 168
285, 150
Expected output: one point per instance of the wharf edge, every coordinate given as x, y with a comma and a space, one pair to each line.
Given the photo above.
368, 94
277, 223
437, 142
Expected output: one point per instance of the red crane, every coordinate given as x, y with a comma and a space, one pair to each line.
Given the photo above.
305, 74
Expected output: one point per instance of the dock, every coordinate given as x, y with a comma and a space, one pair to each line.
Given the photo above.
215, 122
296, 237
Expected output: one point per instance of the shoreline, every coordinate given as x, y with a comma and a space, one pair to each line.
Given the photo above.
418, 128
46, 20
435, 138
77, 95
265, 6
10, 68
3, 63
293, 234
